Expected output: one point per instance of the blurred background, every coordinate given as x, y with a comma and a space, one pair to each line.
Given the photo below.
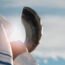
51, 50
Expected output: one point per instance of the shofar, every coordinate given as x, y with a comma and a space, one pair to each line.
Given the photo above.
32, 26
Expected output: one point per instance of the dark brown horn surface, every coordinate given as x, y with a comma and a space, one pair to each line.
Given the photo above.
32, 25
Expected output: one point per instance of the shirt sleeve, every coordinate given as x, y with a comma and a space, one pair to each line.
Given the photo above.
6, 57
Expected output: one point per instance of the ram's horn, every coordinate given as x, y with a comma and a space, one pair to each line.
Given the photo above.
32, 25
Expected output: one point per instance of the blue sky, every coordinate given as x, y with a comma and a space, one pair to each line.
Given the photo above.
44, 7
40, 10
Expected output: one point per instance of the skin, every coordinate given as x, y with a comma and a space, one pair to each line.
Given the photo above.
18, 48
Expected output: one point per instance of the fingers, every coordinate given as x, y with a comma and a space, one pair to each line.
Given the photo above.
25, 59
5, 48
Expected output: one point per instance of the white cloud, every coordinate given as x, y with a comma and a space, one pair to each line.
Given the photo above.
53, 32
52, 43
45, 61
